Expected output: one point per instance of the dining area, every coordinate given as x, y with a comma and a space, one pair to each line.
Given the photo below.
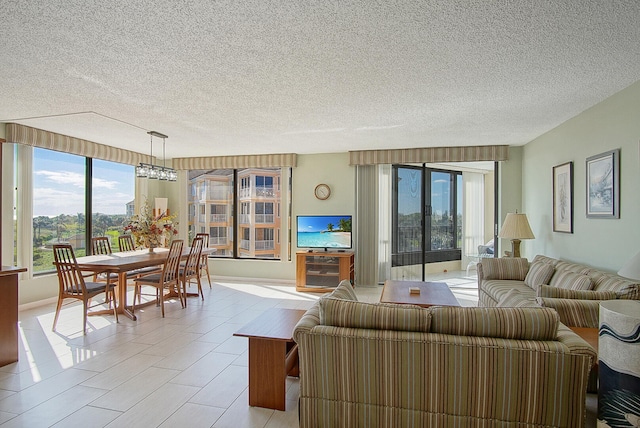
164, 273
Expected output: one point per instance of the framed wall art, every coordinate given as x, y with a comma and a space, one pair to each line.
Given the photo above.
563, 198
603, 185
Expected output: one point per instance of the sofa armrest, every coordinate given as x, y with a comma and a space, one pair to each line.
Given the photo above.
309, 320
574, 313
564, 293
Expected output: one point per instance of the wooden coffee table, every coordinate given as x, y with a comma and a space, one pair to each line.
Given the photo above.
273, 355
431, 294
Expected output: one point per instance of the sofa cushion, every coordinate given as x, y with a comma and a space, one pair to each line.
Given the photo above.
573, 267
345, 291
571, 280
378, 316
539, 273
545, 259
516, 299
507, 323
514, 268
624, 288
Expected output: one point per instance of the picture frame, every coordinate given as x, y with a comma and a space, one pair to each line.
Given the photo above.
563, 198
603, 185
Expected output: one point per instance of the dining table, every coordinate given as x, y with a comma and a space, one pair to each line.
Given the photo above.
119, 263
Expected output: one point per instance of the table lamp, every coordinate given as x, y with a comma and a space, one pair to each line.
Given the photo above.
631, 269
516, 227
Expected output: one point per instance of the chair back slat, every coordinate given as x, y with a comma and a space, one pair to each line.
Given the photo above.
69, 275
193, 260
125, 242
205, 239
172, 264
100, 245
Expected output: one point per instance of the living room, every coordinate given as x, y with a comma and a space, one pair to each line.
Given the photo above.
604, 120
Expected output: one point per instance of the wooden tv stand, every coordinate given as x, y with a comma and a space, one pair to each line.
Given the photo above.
322, 271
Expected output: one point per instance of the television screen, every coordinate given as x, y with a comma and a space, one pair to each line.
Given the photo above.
324, 231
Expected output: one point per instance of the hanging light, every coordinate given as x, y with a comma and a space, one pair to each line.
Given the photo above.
153, 172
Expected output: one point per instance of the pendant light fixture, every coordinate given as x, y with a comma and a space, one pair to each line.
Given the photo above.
153, 172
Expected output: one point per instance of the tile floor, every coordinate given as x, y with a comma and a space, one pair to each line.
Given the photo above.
184, 370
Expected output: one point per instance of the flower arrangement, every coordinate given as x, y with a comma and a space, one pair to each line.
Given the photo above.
149, 231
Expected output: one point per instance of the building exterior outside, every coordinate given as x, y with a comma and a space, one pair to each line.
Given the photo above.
212, 207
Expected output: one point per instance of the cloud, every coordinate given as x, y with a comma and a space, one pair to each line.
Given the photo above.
63, 177
52, 202
74, 179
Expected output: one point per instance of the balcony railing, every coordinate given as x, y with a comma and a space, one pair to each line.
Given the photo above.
218, 218
265, 245
264, 218
219, 240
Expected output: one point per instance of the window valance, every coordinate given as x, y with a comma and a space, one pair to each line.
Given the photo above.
429, 155
27, 135
278, 160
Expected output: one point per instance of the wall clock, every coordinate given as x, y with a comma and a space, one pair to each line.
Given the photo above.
322, 191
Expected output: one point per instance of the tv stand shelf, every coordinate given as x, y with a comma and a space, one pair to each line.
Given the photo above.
322, 271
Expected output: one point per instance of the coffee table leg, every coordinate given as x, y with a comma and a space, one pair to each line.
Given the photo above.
267, 373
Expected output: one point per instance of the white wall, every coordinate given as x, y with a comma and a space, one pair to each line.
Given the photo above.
603, 243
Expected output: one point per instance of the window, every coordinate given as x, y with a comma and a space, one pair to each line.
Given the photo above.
113, 193
427, 215
61, 183
58, 205
256, 202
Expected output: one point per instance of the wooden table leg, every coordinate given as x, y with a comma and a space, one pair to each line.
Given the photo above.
122, 300
267, 373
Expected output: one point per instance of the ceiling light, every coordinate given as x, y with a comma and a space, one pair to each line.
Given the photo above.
153, 172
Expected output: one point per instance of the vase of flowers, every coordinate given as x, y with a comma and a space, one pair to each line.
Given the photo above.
151, 231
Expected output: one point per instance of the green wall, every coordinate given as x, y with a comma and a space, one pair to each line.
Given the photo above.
603, 243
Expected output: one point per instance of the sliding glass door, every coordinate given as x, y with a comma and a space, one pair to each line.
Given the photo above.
427, 218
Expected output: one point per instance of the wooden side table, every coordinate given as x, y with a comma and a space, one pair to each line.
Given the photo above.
9, 314
273, 355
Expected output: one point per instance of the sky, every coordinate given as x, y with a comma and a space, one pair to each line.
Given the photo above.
410, 188
318, 223
59, 187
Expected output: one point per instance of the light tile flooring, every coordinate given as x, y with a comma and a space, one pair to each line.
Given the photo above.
184, 370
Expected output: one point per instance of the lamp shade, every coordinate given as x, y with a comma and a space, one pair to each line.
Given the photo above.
631, 268
516, 226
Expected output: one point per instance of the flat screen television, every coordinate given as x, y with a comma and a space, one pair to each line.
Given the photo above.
331, 232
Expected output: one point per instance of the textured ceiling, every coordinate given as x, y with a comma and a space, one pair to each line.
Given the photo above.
240, 77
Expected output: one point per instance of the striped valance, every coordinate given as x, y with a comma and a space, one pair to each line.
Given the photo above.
429, 155
232, 162
22, 134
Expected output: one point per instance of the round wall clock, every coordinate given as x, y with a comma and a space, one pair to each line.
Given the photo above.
322, 191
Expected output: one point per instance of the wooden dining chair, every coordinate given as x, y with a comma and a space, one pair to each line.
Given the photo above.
73, 286
100, 245
191, 268
125, 242
204, 259
166, 279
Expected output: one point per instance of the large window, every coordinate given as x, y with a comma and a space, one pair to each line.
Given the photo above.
113, 189
427, 215
256, 200
62, 185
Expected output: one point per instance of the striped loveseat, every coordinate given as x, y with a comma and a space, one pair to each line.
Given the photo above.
574, 290
378, 365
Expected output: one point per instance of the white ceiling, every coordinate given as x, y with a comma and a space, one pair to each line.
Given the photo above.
240, 77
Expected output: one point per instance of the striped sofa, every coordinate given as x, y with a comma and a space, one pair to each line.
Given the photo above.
573, 290
380, 365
